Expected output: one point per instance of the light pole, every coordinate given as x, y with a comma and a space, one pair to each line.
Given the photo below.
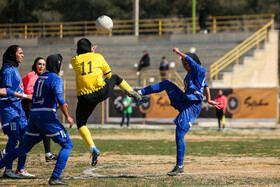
136, 17
193, 16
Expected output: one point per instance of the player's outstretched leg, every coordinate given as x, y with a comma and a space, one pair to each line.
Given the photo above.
174, 93
134, 95
143, 100
125, 87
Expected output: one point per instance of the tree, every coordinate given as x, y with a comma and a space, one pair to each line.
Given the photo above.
22, 11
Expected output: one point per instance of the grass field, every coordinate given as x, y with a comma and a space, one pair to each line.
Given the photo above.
140, 157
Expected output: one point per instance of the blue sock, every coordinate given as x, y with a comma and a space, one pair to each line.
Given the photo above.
62, 157
154, 88
181, 145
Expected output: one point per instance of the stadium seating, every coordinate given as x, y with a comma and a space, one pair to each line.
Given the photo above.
123, 52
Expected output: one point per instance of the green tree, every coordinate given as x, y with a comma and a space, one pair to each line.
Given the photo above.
22, 11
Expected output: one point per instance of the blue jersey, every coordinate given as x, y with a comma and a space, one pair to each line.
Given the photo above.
12, 115
48, 92
194, 81
10, 78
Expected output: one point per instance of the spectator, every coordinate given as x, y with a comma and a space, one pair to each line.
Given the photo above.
127, 110
203, 15
145, 61
164, 67
221, 111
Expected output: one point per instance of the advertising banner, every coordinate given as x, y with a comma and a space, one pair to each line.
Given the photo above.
243, 103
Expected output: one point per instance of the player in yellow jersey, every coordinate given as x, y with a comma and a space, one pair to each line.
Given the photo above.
92, 88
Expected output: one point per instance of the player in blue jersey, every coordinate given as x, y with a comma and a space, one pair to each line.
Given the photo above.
48, 92
188, 103
13, 120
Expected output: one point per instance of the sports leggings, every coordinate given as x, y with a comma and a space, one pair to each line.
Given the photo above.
87, 103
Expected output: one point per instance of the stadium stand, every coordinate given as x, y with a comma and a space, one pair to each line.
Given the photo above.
122, 52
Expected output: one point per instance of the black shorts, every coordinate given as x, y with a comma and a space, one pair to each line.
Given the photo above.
219, 113
26, 106
87, 103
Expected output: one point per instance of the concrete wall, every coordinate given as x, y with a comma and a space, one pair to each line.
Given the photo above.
261, 70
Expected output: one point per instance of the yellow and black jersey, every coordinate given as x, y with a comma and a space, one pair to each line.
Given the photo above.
90, 68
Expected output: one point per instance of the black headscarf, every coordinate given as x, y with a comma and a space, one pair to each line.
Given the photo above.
34, 65
83, 46
194, 57
9, 57
54, 63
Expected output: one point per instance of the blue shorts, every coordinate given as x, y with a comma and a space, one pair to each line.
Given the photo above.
188, 113
189, 110
38, 128
13, 119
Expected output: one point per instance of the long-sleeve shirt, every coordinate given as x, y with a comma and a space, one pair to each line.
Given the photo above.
194, 81
10, 79
29, 81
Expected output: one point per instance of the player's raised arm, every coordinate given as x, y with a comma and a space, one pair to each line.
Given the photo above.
177, 51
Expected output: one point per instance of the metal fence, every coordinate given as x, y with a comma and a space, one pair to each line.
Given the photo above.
233, 56
126, 27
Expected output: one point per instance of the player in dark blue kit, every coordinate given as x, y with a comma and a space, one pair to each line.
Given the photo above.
188, 103
48, 92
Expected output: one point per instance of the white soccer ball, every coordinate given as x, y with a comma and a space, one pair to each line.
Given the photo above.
104, 24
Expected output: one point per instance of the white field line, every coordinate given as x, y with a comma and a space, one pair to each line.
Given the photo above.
91, 174
91, 170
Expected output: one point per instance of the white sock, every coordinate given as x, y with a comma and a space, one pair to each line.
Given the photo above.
91, 148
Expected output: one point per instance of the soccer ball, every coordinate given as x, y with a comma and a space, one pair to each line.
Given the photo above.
104, 24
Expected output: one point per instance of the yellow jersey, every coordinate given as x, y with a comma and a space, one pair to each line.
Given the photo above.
90, 68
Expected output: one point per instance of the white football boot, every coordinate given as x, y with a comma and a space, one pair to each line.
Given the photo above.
24, 173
